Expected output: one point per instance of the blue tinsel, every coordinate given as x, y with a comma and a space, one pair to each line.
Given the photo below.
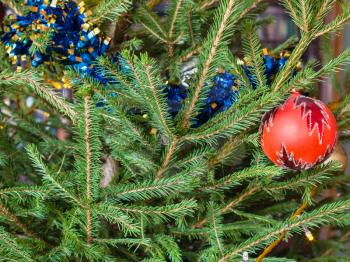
223, 93
75, 42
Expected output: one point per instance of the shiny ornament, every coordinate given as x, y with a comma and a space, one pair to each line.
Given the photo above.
339, 154
298, 134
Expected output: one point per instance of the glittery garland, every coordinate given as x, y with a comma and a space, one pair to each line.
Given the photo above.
224, 90
70, 38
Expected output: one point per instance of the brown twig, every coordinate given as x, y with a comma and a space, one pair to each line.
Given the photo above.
167, 158
189, 55
208, 4
170, 43
190, 27
283, 234
88, 167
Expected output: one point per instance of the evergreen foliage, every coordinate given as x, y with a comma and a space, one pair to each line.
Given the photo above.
178, 193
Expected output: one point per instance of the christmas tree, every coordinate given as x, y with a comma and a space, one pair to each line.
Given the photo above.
155, 154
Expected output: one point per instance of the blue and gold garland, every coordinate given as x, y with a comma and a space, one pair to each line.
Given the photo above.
224, 91
75, 42
72, 39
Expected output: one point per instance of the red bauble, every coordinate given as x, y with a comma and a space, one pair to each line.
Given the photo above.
298, 134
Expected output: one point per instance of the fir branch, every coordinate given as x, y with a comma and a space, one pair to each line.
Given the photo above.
3, 159
292, 8
229, 229
324, 9
149, 69
249, 9
227, 15
40, 43
239, 71
36, 83
247, 193
305, 11
207, 4
17, 193
192, 233
6, 213
190, 28
237, 177
215, 223
122, 78
294, 216
211, 46
9, 247
236, 123
161, 213
88, 167
191, 53
334, 65
124, 120
130, 242
337, 24
115, 216
291, 41
308, 76
308, 178
171, 149
152, 24
172, 27
252, 50
196, 157
228, 149
47, 177
148, 189
302, 80
172, 249
246, 97
225, 209
88, 152
147, 76
264, 220
318, 217
109, 10
137, 161
285, 74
